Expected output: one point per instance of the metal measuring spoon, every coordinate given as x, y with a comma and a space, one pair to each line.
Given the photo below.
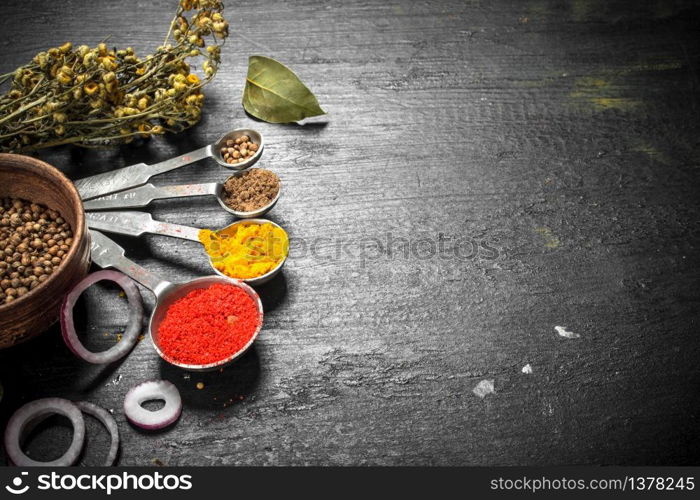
106, 253
142, 196
139, 223
139, 174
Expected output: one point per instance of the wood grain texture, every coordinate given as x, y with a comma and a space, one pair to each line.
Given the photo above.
558, 138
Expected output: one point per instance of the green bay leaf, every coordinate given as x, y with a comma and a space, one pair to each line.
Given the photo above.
273, 93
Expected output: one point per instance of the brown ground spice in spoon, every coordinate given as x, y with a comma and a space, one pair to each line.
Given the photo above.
251, 190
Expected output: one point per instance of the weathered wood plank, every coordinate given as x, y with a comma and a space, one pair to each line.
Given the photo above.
559, 137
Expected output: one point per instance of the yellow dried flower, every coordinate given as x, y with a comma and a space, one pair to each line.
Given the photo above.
116, 96
89, 59
108, 64
221, 28
208, 68
193, 111
112, 87
42, 59
90, 88
144, 128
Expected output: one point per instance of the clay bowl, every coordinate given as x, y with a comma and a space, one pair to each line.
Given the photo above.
33, 180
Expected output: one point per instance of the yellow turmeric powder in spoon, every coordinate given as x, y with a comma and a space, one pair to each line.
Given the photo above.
245, 250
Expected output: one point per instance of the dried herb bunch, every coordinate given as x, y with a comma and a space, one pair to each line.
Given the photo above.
100, 97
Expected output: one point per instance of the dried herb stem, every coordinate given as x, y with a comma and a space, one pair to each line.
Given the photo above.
97, 97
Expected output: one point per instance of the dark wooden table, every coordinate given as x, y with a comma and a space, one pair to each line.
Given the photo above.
541, 160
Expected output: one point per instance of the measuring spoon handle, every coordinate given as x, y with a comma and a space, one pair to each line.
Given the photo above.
142, 196
134, 175
138, 223
106, 253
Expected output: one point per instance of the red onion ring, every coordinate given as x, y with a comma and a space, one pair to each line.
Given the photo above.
110, 424
40, 409
147, 391
133, 328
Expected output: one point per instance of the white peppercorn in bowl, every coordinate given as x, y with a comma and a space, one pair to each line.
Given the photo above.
35, 310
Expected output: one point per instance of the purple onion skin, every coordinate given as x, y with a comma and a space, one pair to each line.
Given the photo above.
155, 427
38, 410
160, 425
134, 324
108, 422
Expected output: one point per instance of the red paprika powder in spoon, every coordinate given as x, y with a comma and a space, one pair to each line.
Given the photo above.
208, 325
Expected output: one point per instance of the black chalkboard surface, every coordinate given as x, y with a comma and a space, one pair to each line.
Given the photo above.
494, 231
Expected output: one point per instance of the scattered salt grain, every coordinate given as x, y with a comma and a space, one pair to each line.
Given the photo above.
114, 381
483, 388
563, 332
